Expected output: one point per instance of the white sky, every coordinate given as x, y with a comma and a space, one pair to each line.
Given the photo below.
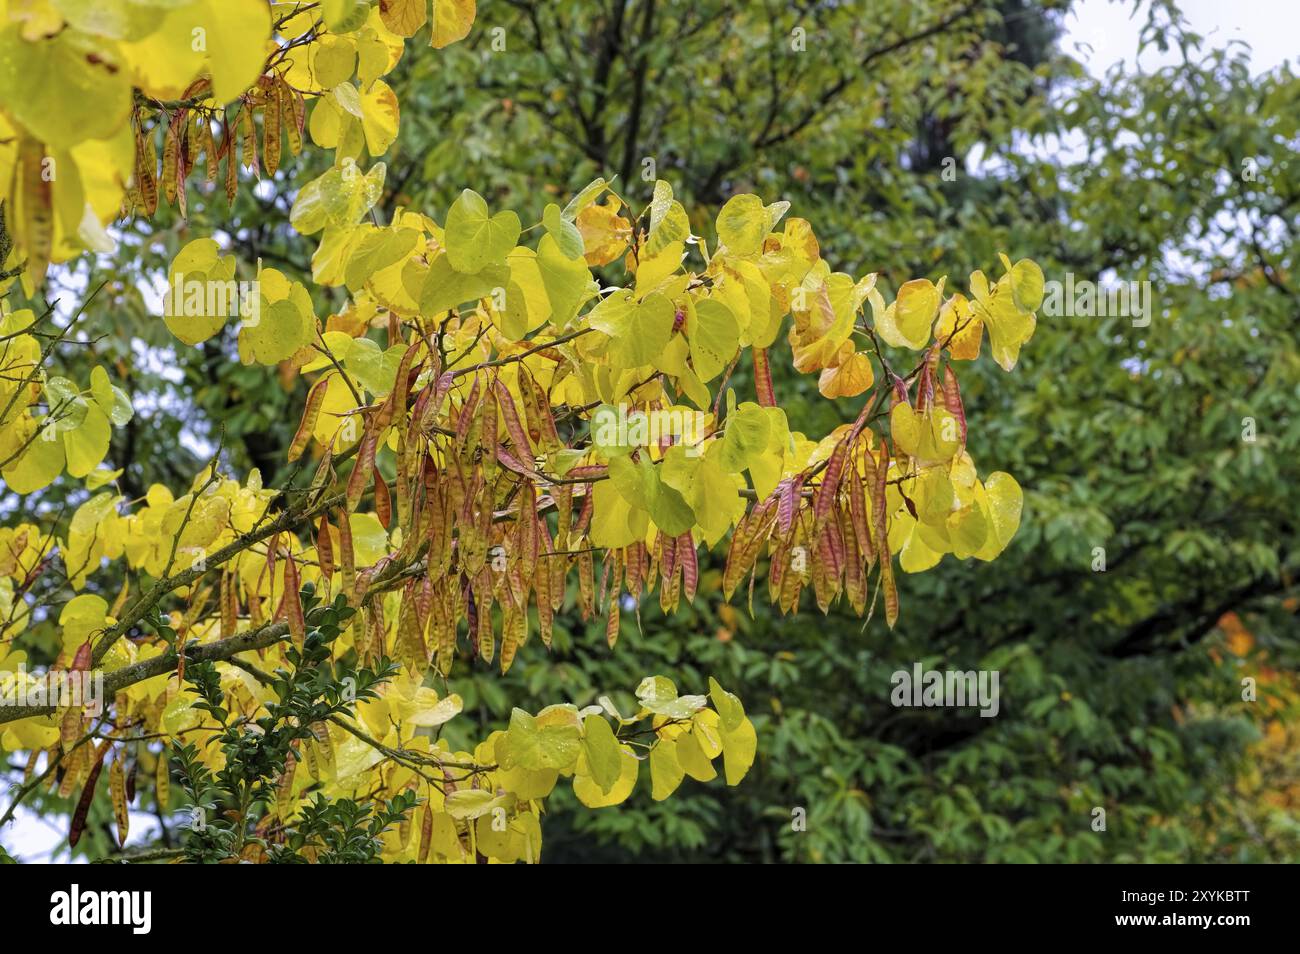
1110, 28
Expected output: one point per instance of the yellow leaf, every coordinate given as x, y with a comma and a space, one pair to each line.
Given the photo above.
201, 292
959, 329
82, 617
440, 711
404, 17
451, 21
850, 378
932, 437
906, 323
739, 746
380, 117
666, 773
604, 232
40, 463
742, 224
591, 795
968, 529
87, 444
692, 758
235, 35
614, 523
334, 423
165, 61
1005, 500
65, 88
1009, 326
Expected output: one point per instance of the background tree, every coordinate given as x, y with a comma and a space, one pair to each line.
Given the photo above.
461, 392
1120, 688
1112, 434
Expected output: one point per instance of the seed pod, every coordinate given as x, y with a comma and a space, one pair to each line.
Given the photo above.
207, 144
38, 209
325, 549
284, 787
347, 558
248, 139
612, 623
162, 780
228, 609
78, 824
232, 162
383, 503
310, 414
362, 469
828, 489
293, 603
952, 400
271, 139
171, 158
293, 110
426, 833
117, 791
146, 169
687, 560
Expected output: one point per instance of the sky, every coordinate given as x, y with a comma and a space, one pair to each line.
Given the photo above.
1111, 31
1099, 33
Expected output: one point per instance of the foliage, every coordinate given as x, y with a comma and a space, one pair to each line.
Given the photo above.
1121, 689
1135, 705
489, 409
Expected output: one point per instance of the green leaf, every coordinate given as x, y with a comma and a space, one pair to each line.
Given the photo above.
638, 331
590, 192
1027, 285
344, 16
338, 198
653, 690
604, 759
614, 523
87, 445
282, 327
376, 250
565, 233
692, 758
730, 710
739, 746
65, 402
445, 288
375, 368
714, 336
536, 743
666, 773
659, 695
746, 438
640, 486
476, 239
742, 224
567, 280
